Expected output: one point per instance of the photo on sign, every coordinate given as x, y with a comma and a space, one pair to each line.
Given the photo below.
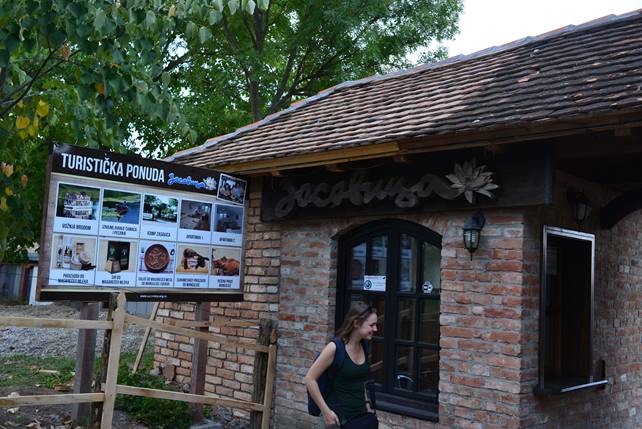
77, 202
70, 252
160, 209
120, 207
156, 257
195, 215
193, 260
231, 189
226, 261
228, 219
117, 256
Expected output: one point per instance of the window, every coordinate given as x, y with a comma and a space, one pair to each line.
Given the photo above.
566, 313
395, 266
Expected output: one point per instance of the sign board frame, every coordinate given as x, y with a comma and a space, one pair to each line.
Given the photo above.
114, 222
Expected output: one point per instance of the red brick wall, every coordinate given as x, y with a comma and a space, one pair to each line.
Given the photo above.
618, 322
490, 316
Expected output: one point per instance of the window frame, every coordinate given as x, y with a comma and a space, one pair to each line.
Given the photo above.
390, 398
542, 388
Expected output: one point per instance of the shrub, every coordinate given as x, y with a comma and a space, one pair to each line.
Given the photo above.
156, 413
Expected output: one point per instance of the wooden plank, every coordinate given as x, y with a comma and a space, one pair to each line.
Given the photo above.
313, 159
216, 322
260, 371
220, 339
112, 364
269, 386
187, 397
199, 361
70, 398
143, 343
85, 354
31, 322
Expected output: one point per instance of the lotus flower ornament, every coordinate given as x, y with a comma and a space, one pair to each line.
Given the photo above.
469, 179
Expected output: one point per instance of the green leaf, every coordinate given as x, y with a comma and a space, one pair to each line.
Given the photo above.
165, 78
99, 21
190, 30
233, 5
204, 34
250, 6
150, 19
141, 86
263, 4
219, 5
214, 17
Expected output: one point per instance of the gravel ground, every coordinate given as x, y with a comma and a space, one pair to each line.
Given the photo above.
41, 342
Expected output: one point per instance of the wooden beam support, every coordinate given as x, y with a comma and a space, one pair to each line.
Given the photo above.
220, 339
112, 363
30, 322
143, 343
266, 166
68, 398
187, 397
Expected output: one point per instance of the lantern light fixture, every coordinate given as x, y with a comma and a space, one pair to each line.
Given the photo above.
580, 205
472, 232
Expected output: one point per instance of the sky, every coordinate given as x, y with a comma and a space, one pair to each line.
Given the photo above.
487, 23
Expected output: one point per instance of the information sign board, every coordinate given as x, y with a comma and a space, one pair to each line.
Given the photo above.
157, 230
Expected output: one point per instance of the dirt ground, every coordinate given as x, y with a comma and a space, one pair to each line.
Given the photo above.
49, 416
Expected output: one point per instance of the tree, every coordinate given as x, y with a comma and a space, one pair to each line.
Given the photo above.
258, 64
78, 71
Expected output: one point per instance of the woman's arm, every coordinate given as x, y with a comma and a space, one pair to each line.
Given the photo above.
319, 366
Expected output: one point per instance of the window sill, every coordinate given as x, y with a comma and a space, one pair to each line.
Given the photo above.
558, 390
427, 412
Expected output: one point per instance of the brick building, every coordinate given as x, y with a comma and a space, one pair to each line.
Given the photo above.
363, 192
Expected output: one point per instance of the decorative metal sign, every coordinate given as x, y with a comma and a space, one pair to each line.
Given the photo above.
524, 179
467, 180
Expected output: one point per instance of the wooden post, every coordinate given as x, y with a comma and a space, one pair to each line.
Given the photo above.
269, 385
143, 343
266, 326
97, 408
112, 364
85, 354
199, 360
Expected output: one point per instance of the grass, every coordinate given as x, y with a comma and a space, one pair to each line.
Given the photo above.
22, 370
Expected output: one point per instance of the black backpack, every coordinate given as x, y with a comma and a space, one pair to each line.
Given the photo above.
326, 379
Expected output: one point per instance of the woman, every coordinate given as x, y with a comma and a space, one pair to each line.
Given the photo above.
346, 399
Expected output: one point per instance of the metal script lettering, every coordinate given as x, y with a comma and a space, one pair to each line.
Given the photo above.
359, 192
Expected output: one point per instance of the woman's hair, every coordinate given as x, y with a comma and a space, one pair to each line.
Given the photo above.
359, 312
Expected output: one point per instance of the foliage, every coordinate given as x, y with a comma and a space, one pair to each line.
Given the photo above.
157, 413
256, 65
81, 72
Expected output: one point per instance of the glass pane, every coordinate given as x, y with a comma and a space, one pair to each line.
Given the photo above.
405, 368
406, 323
379, 302
376, 361
408, 264
429, 323
431, 269
354, 297
428, 370
379, 256
357, 265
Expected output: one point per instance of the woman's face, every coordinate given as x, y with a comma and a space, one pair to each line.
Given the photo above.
368, 327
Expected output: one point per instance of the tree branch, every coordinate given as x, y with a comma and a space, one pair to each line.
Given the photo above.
29, 86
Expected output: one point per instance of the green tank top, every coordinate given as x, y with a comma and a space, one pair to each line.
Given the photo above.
346, 397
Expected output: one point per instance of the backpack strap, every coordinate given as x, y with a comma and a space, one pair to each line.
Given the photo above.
339, 357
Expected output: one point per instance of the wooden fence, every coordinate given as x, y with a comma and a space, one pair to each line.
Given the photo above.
111, 388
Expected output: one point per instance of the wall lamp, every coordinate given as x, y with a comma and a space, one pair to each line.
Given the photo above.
472, 231
580, 205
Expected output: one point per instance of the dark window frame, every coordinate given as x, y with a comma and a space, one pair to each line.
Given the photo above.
413, 404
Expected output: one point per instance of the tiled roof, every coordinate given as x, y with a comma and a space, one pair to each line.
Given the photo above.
577, 70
